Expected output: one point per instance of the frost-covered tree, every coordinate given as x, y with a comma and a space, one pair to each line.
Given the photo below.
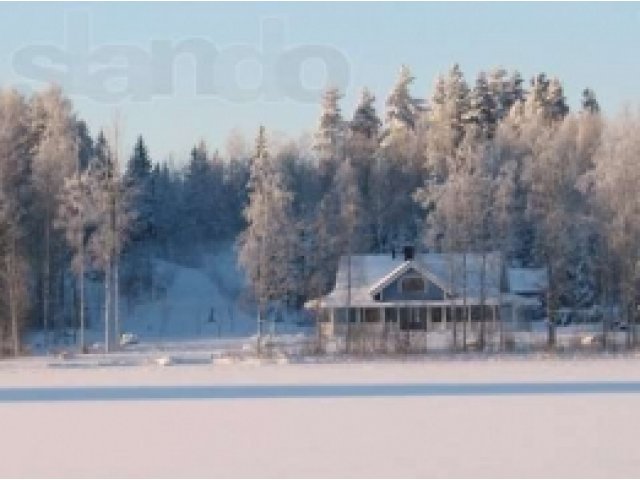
507, 91
85, 144
459, 212
365, 122
398, 169
16, 226
55, 157
364, 131
482, 113
300, 175
363, 145
137, 271
614, 183
589, 102
13, 274
456, 102
557, 107
110, 217
546, 99
487, 167
447, 118
498, 86
166, 191
204, 204
266, 247
329, 137
536, 99
460, 206
337, 230
402, 109
563, 230
77, 218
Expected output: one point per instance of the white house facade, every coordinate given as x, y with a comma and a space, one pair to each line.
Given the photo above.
427, 292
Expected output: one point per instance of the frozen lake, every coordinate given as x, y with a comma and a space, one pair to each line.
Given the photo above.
481, 418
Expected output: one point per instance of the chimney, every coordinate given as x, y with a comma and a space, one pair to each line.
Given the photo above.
409, 253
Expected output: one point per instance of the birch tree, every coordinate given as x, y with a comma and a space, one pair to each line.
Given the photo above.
55, 158
615, 182
76, 217
112, 215
15, 201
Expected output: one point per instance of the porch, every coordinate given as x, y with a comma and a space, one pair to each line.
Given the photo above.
381, 319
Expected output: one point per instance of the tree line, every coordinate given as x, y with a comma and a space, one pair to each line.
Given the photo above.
499, 164
72, 209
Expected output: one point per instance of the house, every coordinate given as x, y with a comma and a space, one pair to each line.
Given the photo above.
530, 283
423, 292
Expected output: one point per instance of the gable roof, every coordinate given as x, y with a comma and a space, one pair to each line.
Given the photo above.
370, 273
401, 270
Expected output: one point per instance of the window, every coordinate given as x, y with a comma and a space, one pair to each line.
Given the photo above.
390, 315
372, 315
412, 285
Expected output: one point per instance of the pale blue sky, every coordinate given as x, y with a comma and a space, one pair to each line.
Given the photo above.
584, 44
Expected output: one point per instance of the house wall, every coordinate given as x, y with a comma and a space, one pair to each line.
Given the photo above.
393, 291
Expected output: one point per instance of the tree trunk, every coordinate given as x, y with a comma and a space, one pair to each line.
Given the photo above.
627, 309
13, 298
259, 335
464, 301
482, 299
454, 329
551, 332
451, 308
347, 335
46, 284
107, 301
81, 288
116, 302
499, 307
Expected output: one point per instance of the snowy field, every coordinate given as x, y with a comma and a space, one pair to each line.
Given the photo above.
483, 418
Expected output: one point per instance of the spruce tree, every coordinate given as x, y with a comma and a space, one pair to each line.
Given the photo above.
557, 107
589, 102
402, 109
267, 250
482, 113
456, 102
138, 179
365, 122
329, 137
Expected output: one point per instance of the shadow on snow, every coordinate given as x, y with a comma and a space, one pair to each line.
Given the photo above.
204, 392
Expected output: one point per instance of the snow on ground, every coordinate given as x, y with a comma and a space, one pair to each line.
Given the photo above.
192, 306
216, 410
384, 433
106, 370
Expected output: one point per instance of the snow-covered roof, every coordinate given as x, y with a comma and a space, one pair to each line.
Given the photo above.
369, 273
527, 280
401, 269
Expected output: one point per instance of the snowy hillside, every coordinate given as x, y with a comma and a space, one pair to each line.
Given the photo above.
189, 304
192, 306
